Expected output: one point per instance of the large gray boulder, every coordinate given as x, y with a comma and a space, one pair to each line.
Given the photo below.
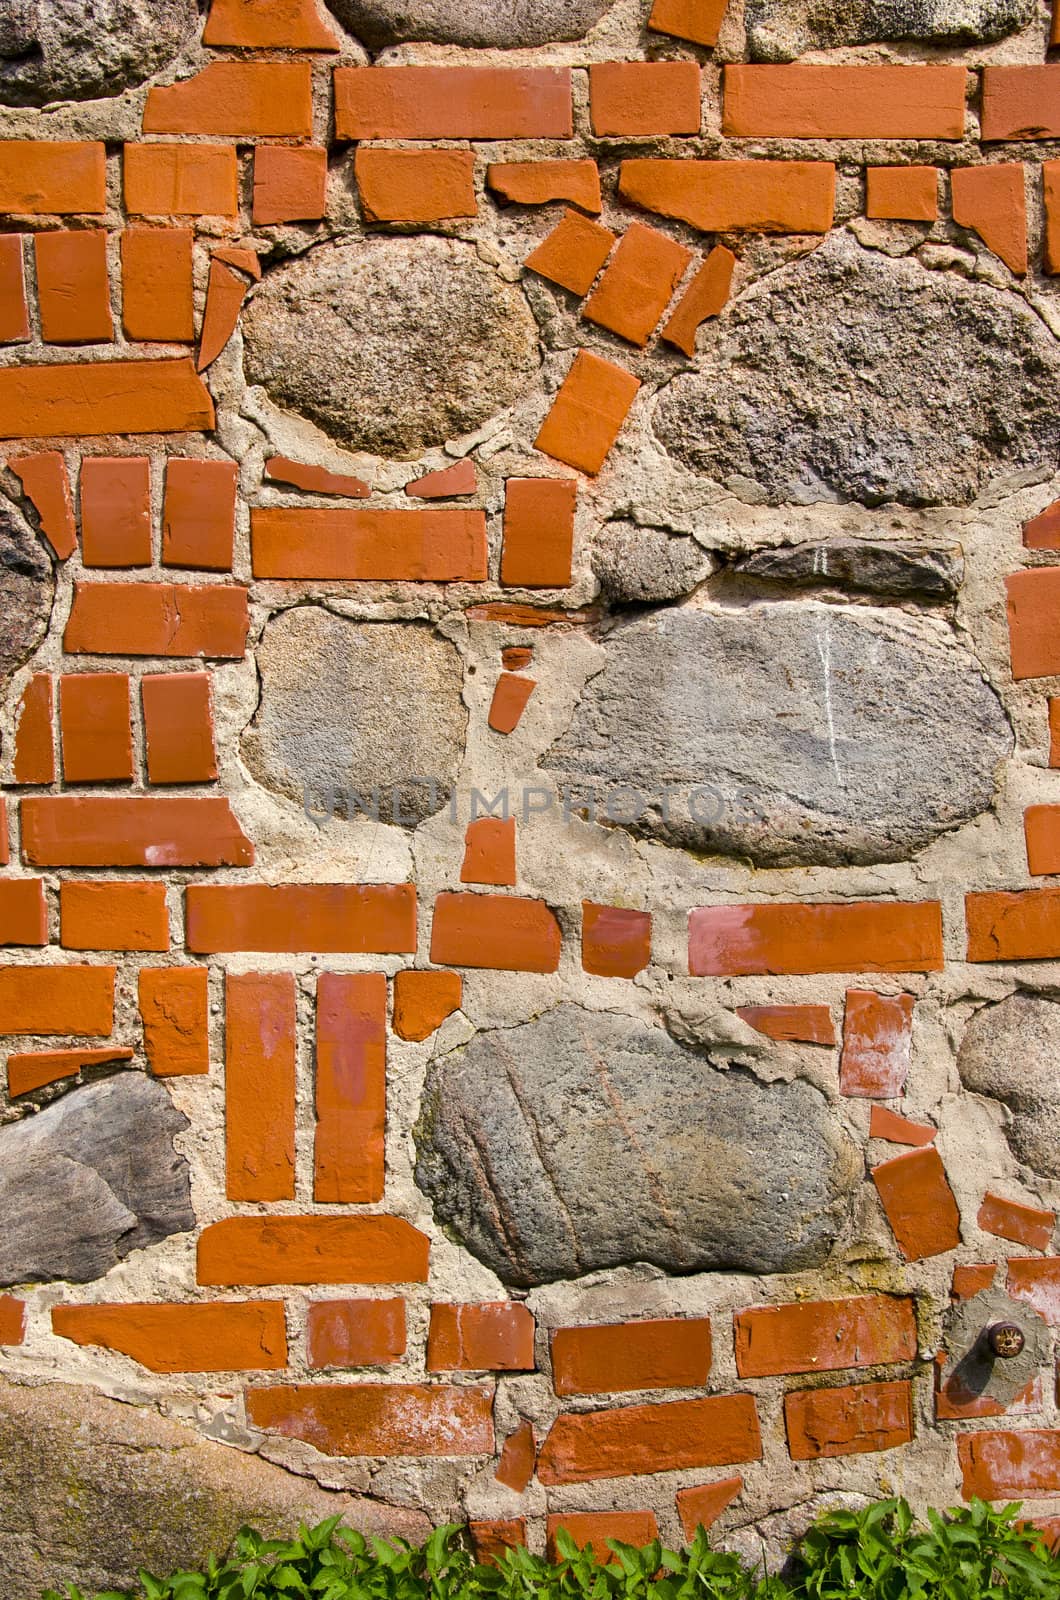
69, 50
391, 345
27, 589
583, 1140
89, 1179
506, 24
780, 30
852, 376
793, 733
1011, 1052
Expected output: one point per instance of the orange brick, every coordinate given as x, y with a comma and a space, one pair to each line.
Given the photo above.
279, 25
1054, 732
1004, 1465
844, 102
616, 943
972, 1280
113, 916
453, 103
447, 483
884, 1124
181, 180
174, 1009
1043, 531
315, 480
594, 1528
435, 544
1051, 197
423, 1000
1023, 1224
538, 532
492, 1540
23, 911
489, 1337
178, 727
96, 732
697, 20
797, 1024
14, 315
34, 760
5, 844
701, 1506
251, 99
415, 185
57, 1000
706, 296
850, 1421
36, 1069
1013, 926
132, 831
157, 284
919, 1203
12, 1320
158, 619
61, 179
261, 1044
378, 1419
670, 1353
955, 1401
588, 412
644, 97
638, 283
1041, 826
355, 1333
1021, 102
667, 1437
290, 184
231, 1336
825, 1335
199, 514
46, 482
349, 1150
109, 397
877, 1040
368, 919
902, 194
517, 656
510, 699
1038, 1283
225, 294
500, 932
518, 1459
853, 936
489, 852
993, 202
536, 183
573, 252
73, 287
116, 511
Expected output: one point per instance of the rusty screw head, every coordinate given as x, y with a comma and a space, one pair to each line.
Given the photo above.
1006, 1339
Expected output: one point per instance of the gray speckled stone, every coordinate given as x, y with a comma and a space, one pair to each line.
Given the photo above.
1011, 1052
780, 30
27, 589
644, 564
864, 566
508, 24
86, 49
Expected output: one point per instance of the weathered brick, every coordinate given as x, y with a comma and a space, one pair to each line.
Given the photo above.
174, 1009
501, 932
1051, 242
956, 1402
1013, 926
228, 1336
23, 911
844, 102
884, 1124
158, 284
252, 99
797, 1024
453, 103
57, 1000
1041, 828
667, 1437
349, 1149
489, 852
515, 1468
616, 942
637, 284
132, 831
225, 292
594, 1528
664, 1353
1023, 1224
702, 1505
510, 699
538, 532
34, 758
357, 919
1054, 731
12, 1320
279, 25
378, 1419
36, 1069
116, 511
697, 20
415, 185
5, 838
158, 619
315, 480
73, 287
355, 1333
447, 483
493, 1336
261, 1050
178, 727
14, 313
431, 544
705, 297
919, 1203
1038, 1283
877, 1040
972, 1279
536, 183
181, 180
491, 1540
113, 916
290, 184
1004, 1465
1043, 531
311, 1250
849, 936
423, 1000
573, 253
850, 1421
993, 202
95, 727
644, 97
825, 1335
587, 414
199, 514
902, 194
1033, 610
60, 179
46, 482
1021, 102
109, 397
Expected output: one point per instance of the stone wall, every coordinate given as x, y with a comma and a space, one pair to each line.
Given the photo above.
531, 852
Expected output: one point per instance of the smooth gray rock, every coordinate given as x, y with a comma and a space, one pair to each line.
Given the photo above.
1011, 1052
358, 706
91, 1490
583, 1140
792, 733
851, 376
864, 566
780, 30
90, 1179
86, 49
391, 345
27, 589
644, 564
507, 24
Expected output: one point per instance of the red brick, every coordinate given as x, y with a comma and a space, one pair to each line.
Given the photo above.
971, 1280
312, 1250
638, 283
264, 99
501, 932
12, 1320
1023, 1224
415, 185
355, 1333
1041, 827
357, 919
423, 1000
261, 1048
845, 102
956, 1402
705, 297
378, 1419
490, 1337
517, 616
825, 1335
902, 194
116, 511
199, 514
157, 284
174, 1009
23, 911
850, 1421
849, 936
697, 20
1054, 731
158, 619
884, 1124
1017, 926
95, 726
1021, 102
73, 287
510, 699
278, 25
178, 727
668, 1353
701, 1506
1051, 243
993, 202
60, 179
132, 831
57, 1000
489, 852
594, 1528
225, 294
447, 483
536, 183
538, 532
436, 544
34, 759
181, 180
877, 1039
46, 482
667, 1437
1038, 1283
5, 843
518, 1459
36, 1069
517, 656
796, 1024
587, 414
349, 1150
729, 196
315, 480
224, 1337
1010, 1466
1043, 531
14, 314
573, 253
492, 1540
290, 184
109, 397
919, 1203
113, 916
453, 103
644, 97
616, 943
1033, 610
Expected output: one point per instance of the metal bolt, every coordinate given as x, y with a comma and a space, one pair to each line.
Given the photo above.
1006, 1339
